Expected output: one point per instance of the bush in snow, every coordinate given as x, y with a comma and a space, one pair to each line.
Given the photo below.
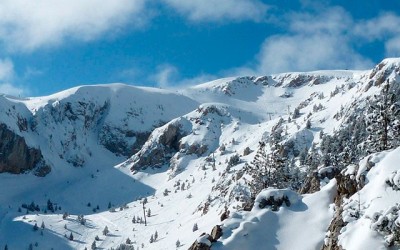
233, 160
388, 223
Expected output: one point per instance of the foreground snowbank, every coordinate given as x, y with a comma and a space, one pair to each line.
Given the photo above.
302, 225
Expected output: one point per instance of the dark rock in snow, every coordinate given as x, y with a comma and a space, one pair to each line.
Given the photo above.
17, 157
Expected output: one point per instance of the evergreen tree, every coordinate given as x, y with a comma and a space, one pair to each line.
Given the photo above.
105, 230
268, 169
151, 239
71, 236
383, 120
155, 236
35, 227
195, 227
178, 243
148, 212
42, 226
93, 247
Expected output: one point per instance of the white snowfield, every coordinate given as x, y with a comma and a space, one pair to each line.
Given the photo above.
73, 127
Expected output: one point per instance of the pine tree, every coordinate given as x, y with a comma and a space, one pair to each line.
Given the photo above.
178, 243
35, 227
259, 171
42, 226
93, 247
105, 230
165, 193
148, 212
151, 239
268, 169
71, 236
383, 120
155, 236
195, 227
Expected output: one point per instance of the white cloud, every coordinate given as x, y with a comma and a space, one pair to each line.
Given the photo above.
6, 75
165, 76
386, 28
168, 76
392, 46
314, 41
209, 10
308, 52
28, 25
6, 69
9, 89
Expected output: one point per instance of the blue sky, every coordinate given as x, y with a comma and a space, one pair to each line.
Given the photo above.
48, 46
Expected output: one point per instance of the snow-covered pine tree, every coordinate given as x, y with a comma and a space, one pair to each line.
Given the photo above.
268, 169
383, 120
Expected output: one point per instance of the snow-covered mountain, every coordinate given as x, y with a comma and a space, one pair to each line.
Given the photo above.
84, 159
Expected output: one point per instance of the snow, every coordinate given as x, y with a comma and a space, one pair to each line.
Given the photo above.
375, 198
234, 112
300, 226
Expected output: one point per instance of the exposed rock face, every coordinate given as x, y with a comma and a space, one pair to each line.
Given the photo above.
16, 157
205, 240
346, 187
199, 246
216, 233
312, 183
117, 140
158, 151
334, 228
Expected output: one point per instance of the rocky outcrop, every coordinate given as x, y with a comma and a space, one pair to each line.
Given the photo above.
205, 241
16, 157
312, 182
160, 147
117, 140
346, 187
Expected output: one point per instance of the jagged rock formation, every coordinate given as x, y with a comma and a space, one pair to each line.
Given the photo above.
16, 157
204, 242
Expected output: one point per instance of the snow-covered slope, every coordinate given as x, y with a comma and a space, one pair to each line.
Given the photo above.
188, 153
